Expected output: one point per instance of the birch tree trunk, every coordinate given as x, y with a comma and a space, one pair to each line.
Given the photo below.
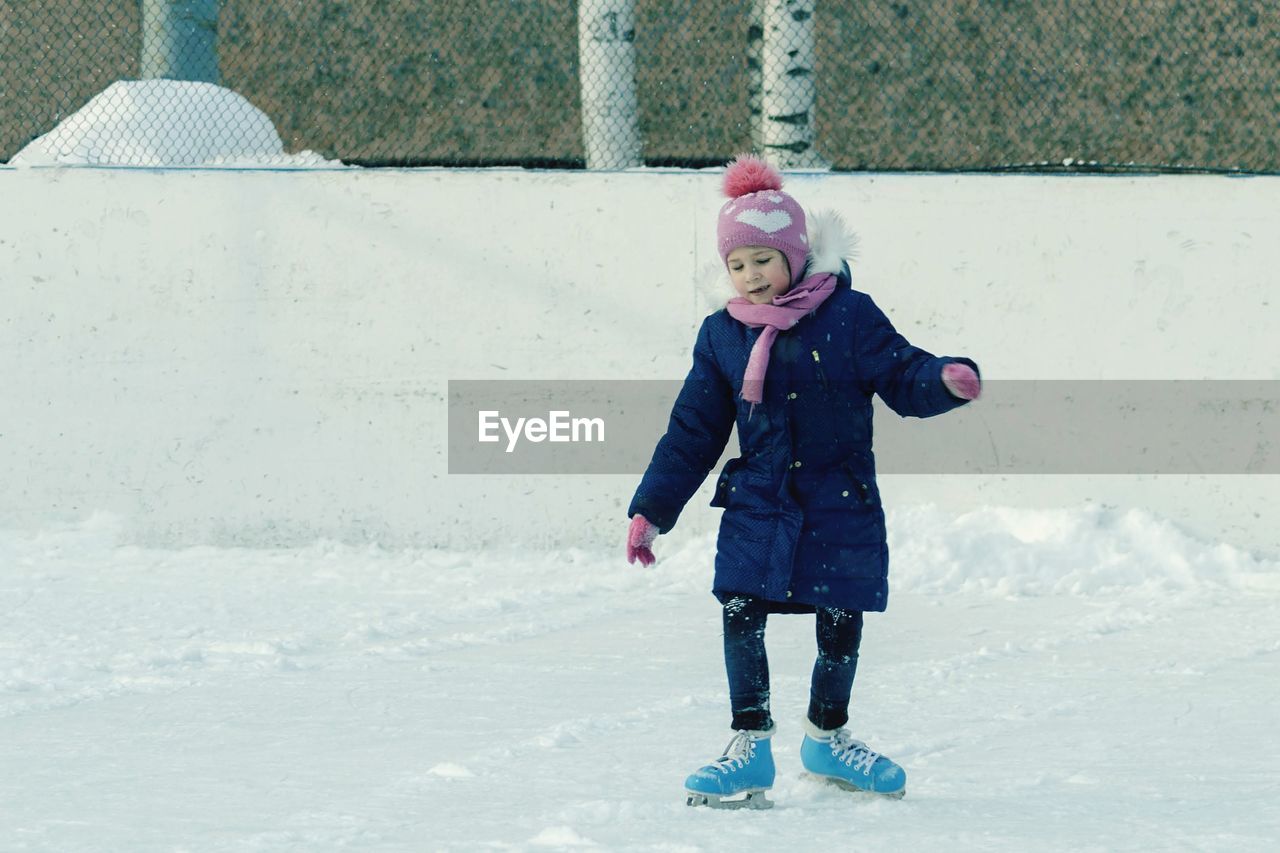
788, 92
179, 40
755, 76
607, 77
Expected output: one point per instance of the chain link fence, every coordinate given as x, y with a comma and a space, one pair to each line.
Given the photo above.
942, 85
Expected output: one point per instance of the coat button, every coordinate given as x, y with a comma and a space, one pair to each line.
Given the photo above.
788, 593
791, 396
845, 493
795, 464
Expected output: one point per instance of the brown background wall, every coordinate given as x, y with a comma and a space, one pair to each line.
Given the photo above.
945, 84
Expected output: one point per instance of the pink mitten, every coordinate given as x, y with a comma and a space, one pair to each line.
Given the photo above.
639, 538
961, 381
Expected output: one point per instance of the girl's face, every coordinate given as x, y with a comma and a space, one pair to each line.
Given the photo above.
759, 273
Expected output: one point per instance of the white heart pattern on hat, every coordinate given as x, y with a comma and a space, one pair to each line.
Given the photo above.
770, 222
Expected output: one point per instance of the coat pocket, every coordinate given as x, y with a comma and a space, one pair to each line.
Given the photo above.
840, 488
863, 487
725, 484
744, 536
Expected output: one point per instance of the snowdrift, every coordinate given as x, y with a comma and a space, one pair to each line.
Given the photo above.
165, 123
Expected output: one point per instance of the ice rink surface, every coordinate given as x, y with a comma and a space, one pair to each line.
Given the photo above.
1050, 680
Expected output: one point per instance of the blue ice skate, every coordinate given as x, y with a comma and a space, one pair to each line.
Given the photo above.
849, 763
737, 779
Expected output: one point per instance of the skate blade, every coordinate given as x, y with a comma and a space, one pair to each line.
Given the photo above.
747, 800
846, 785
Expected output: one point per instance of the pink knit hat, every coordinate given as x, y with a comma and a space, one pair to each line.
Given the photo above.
759, 213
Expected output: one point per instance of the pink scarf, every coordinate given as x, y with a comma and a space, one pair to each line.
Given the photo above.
779, 315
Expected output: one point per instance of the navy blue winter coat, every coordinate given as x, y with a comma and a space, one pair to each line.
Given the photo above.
802, 524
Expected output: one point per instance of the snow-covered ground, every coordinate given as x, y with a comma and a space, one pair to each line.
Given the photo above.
1051, 680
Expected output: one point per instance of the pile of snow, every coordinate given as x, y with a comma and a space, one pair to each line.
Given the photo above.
1027, 552
165, 123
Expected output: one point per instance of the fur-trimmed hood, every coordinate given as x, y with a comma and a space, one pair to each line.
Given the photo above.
831, 245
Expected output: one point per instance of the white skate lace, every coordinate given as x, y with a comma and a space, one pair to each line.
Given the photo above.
854, 753
736, 754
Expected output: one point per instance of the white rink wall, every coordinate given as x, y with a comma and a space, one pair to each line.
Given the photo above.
261, 357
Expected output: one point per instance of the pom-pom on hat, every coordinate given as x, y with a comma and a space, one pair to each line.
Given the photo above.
759, 213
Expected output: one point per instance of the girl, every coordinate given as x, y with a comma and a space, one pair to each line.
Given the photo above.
793, 360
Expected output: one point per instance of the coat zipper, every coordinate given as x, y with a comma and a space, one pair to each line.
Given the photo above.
822, 376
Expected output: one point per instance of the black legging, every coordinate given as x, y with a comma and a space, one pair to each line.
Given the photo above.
839, 635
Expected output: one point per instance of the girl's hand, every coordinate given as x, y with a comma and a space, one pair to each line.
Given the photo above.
639, 538
961, 381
